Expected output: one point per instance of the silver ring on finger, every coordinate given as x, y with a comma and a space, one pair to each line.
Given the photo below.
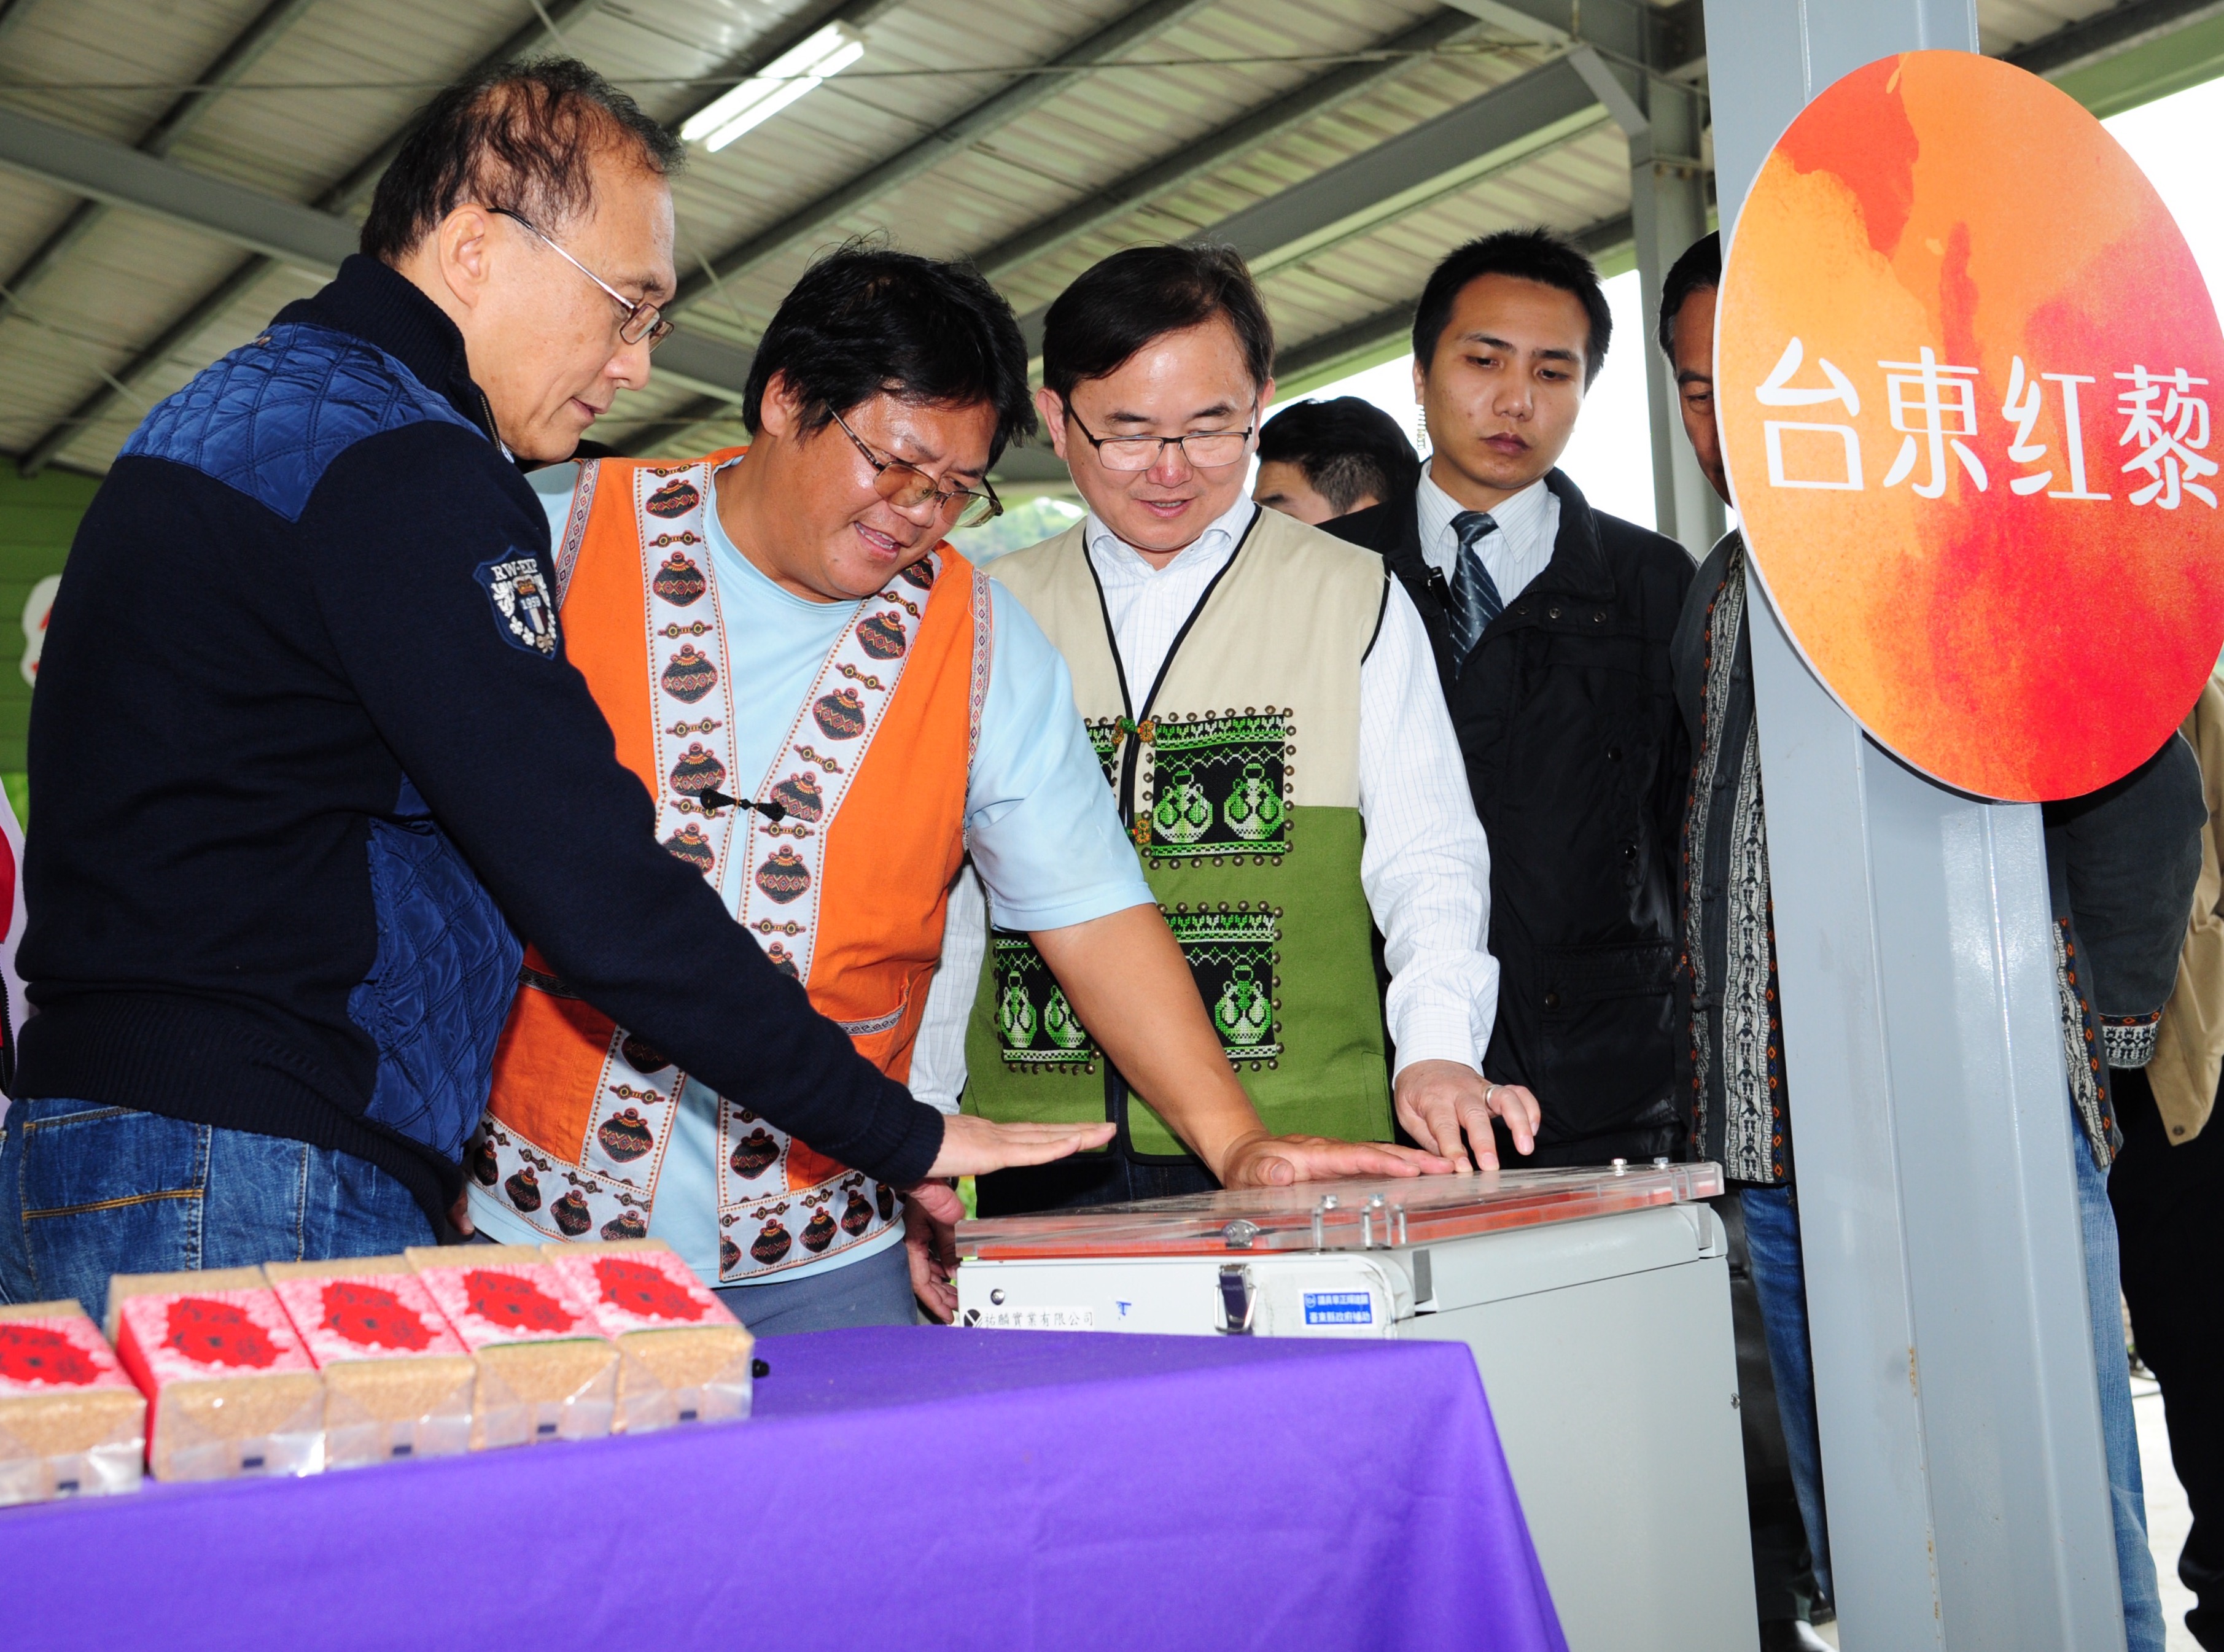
1488, 1090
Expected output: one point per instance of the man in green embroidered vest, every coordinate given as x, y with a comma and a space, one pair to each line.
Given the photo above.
1265, 704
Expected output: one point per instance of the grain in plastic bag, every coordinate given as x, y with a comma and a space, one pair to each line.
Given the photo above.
229, 1389
546, 1372
398, 1381
682, 1356
72, 1423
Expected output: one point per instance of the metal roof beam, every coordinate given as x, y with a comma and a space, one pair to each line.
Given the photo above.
1137, 24
1660, 37
1384, 327
1507, 124
244, 51
117, 175
2105, 34
548, 15
1262, 126
279, 229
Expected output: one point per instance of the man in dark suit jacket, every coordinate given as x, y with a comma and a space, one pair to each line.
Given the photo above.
1551, 623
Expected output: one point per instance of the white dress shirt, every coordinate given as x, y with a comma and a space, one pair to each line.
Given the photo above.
1515, 552
1425, 867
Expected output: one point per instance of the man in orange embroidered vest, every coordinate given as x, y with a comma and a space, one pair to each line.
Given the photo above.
831, 706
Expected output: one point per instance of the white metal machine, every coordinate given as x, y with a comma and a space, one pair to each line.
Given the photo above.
1596, 1302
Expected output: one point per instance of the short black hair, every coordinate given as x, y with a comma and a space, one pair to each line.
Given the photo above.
1348, 450
1527, 254
521, 137
1699, 270
866, 320
1118, 305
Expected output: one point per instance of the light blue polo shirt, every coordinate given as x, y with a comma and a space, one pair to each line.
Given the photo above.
1039, 820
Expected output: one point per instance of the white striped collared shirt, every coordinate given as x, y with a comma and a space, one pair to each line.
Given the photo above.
1515, 551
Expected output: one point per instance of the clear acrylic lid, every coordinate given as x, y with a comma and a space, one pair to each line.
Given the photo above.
1350, 1215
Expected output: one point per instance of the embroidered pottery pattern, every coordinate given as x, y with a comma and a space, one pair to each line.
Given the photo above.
1181, 812
674, 499
1232, 954
1217, 785
779, 906
690, 676
678, 581
1037, 1031
611, 1187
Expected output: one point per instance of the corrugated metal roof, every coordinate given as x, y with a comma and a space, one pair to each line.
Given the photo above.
341, 77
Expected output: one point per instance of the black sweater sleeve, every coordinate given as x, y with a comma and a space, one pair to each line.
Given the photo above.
509, 750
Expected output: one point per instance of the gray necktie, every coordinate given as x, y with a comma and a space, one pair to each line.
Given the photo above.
1475, 601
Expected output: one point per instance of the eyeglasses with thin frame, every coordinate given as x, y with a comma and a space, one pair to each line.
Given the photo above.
907, 487
1206, 449
640, 318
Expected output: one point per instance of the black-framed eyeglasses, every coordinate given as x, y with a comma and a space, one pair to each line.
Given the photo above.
639, 320
907, 487
1206, 449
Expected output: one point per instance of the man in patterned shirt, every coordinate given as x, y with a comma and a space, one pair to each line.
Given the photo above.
2131, 852
830, 707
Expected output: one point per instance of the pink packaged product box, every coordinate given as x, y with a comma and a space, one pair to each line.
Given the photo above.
229, 1389
398, 1381
72, 1423
683, 1357
546, 1372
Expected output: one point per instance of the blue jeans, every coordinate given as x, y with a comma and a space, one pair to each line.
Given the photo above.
1779, 1278
87, 1191
2135, 1567
875, 1292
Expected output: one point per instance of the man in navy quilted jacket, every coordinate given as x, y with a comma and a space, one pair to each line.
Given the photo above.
310, 758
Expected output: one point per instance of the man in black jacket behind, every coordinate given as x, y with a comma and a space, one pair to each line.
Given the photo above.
1551, 623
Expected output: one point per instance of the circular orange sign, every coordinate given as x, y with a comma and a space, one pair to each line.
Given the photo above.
1966, 371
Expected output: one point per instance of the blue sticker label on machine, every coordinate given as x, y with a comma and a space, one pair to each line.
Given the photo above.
1339, 1307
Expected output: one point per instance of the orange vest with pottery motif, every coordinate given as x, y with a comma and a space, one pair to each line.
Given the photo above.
846, 890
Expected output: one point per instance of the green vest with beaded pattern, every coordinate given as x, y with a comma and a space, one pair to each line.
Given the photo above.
1237, 775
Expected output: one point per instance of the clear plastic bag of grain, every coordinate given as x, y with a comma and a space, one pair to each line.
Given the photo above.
682, 1356
398, 1381
72, 1423
229, 1389
546, 1372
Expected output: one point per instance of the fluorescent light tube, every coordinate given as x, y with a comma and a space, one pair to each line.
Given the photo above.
786, 78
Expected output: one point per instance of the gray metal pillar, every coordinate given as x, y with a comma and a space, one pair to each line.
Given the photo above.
1663, 120
1959, 1409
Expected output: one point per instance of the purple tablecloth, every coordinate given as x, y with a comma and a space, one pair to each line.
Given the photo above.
897, 1488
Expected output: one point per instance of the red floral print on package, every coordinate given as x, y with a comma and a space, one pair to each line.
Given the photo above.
546, 1372
683, 1357
398, 1381
232, 1388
